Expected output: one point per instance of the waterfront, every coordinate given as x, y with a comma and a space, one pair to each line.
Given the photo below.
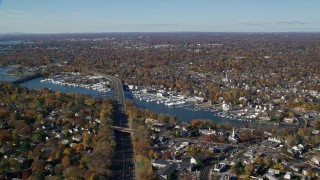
9, 42
36, 84
184, 113
4, 76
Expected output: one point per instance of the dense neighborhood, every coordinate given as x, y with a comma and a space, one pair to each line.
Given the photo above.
268, 82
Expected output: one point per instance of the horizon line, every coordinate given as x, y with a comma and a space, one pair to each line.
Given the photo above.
133, 32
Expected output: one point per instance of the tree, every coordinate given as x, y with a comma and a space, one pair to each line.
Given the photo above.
267, 161
237, 168
38, 166
259, 160
73, 173
245, 135
80, 147
317, 125
279, 166
304, 131
58, 170
66, 161
166, 155
249, 168
4, 135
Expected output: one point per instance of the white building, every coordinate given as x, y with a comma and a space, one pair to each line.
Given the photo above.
226, 107
233, 137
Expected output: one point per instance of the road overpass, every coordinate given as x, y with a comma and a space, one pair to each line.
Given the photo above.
126, 130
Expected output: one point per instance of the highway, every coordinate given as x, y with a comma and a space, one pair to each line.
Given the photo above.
118, 94
123, 166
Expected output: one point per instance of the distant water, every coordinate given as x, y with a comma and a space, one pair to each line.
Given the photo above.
5, 77
9, 42
183, 114
36, 84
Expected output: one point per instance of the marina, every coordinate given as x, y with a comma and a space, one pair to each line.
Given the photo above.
184, 108
94, 82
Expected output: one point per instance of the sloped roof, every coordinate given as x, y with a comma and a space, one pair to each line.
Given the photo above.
168, 169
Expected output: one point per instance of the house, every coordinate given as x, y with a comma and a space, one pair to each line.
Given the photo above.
185, 166
274, 139
159, 163
167, 171
198, 159
306, 171
271, 174
226, 107
20, 159
297, 150
219, 167
168, 168
182, 146
184, 133
296, 167
250, 153
159, 127
309, 171
207, 131
77, 138
315, 132
227, 176
315, 160
73, 145
224, 148
290, 120
265, 118
49, 168
288, 175
162, 140
65, 141
274, 171
256, 177
131, 87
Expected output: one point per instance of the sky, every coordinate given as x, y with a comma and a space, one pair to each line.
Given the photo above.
75, 16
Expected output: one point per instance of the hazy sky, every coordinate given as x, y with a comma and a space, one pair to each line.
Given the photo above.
55, 16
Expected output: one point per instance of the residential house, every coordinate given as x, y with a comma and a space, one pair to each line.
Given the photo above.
297, 167
219, 167
207, 131
315, 160
272, 173
227, 176
290, 120
167, 171
159, 163
288, 175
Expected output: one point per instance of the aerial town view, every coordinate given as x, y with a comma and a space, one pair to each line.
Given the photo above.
159, 90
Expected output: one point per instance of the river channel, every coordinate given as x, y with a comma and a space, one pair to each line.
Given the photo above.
185, 113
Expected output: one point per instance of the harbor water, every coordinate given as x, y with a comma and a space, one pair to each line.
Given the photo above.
184, 113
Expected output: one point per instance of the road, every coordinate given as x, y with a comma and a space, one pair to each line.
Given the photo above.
302, 123
118, 94
126, 130
123, 167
